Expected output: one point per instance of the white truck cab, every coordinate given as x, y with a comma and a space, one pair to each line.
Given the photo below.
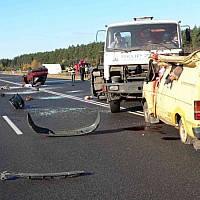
141, 38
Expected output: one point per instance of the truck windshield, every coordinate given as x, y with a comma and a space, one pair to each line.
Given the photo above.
143, 37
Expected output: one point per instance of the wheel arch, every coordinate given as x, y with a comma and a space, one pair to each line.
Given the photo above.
177, 118
177, 115
180, 115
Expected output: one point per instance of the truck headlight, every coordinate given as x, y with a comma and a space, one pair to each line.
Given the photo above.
113, 87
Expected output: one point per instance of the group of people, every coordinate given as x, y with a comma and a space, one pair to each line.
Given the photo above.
80, 68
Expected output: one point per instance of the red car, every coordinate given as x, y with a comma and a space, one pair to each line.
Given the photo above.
36, 76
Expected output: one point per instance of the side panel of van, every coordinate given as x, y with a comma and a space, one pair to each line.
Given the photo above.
165, 102
177, 98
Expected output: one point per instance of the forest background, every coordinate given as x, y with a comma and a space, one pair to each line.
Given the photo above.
91, 53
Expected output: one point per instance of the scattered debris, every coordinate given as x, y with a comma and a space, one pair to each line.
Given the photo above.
196, 144
64, 133
26, 85
37, 88
6, 87
88, 97
39, 176
16, 101
28, 98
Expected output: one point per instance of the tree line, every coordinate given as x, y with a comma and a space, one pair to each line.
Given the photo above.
91, 53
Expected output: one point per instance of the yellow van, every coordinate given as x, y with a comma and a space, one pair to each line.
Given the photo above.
171, 93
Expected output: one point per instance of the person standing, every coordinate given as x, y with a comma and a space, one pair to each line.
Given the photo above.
86, 70
82, 71
72, 70
77, 68
73, 74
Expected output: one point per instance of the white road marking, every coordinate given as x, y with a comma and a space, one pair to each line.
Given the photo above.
12, 125
10, 82
24, 92
75, 91
139, 113
135, 113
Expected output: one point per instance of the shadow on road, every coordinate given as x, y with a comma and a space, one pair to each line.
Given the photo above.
133, 128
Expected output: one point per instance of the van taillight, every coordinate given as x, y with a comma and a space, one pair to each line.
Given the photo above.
197, 110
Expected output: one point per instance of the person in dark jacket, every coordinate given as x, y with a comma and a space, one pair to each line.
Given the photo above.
82, 71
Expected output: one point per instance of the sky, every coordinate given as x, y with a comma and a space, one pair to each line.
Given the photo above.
32, 26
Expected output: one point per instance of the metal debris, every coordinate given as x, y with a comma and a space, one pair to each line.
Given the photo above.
64, 133
16, 101
88, 97
39, 176
28, 98
6, 87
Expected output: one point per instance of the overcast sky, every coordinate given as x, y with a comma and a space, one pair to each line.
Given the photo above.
31, 26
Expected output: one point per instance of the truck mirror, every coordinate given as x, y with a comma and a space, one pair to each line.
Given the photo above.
187, 35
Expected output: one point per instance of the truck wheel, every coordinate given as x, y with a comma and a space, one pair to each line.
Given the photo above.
185, 138
92, 92
146, 113
114, 106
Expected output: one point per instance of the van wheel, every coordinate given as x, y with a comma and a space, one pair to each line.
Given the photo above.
146, 113
185, 138
115, 106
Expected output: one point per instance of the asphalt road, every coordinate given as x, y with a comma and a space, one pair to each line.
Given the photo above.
123, 159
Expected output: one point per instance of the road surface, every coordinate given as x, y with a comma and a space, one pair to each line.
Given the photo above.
123, 159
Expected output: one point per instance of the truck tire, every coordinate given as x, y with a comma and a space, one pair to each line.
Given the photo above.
114, 106
185, 138
92, 92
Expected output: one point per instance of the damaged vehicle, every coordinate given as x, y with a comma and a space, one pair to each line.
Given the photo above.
171, 94
36, 76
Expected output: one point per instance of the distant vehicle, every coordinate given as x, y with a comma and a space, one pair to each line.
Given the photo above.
35, 76
128, 46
